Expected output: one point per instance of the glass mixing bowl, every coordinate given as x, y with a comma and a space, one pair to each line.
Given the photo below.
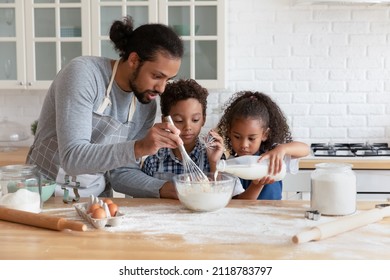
205, 196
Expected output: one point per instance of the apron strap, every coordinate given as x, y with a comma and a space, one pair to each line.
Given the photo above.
107, 100
132, 108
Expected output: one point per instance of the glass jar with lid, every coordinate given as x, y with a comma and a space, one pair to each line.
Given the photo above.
333, 189
10, 133
21, 188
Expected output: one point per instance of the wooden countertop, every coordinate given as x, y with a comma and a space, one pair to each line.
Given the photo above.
377, 163
14, 156
164, 229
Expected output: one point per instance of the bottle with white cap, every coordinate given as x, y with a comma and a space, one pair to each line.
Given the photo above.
249, 168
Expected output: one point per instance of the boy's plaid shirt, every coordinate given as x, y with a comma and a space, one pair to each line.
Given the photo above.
170, 164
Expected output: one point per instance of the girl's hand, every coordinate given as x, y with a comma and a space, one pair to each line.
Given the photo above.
255, 188
275, 157
263, 181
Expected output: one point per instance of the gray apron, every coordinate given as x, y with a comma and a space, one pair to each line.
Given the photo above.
105, 130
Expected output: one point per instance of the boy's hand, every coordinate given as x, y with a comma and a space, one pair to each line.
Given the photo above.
168, 190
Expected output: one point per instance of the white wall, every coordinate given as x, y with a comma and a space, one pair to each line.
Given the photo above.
326, 66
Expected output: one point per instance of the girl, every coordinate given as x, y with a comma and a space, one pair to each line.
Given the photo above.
186, 102
253, 124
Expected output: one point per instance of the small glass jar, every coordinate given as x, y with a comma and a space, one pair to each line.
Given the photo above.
333, 189
21, 188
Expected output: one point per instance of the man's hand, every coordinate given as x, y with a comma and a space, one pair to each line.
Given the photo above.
161, 135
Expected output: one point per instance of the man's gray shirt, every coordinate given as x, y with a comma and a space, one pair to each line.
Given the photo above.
66, 116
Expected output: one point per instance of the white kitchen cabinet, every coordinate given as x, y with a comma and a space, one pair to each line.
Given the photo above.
297, 186
104, 12
202, 27
201, 24
38, 37
11, 39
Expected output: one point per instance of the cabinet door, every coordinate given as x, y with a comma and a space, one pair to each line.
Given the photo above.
201, 24
56, 32
12, 55
105, 12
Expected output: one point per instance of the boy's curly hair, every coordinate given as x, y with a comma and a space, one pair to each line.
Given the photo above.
255, 105
183, 90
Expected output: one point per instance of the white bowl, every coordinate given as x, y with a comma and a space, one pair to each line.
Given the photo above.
205, 196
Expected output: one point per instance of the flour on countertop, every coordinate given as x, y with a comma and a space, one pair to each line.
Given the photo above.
253, 224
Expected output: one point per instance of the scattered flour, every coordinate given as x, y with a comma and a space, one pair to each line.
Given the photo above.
228, 225
254, 224
250, 225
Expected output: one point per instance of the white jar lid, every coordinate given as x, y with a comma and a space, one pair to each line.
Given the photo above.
333, 165
12, 131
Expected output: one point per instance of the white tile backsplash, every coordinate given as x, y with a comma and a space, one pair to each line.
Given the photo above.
327, 66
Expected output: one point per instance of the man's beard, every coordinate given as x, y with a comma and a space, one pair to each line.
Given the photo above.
140, 95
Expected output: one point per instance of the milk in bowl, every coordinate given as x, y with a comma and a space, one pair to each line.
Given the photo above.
205, 196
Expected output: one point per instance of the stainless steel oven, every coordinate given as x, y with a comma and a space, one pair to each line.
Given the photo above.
370, 162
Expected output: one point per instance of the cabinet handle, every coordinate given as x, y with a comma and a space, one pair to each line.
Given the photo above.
20, 83
29, 83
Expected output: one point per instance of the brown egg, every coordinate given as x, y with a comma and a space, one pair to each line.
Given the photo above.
113, 209
92, 208
99, 213
107, 200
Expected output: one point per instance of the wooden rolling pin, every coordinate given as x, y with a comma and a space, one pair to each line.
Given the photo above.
40, 220
342, 225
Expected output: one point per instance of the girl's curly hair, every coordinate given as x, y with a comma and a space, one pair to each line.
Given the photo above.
255, 105
182, 90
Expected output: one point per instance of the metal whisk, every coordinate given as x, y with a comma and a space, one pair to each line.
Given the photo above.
190, 167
